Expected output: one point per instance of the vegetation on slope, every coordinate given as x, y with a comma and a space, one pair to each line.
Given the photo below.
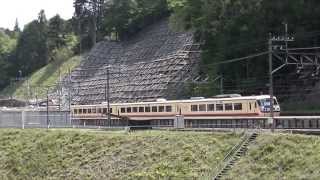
280, 157
24, 52
7, 45
49, 75
40, 154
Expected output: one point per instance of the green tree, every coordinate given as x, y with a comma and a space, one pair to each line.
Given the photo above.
89, 14
56, 32
237, 28
123, 18
116, 18
118, 15
32, 47
16, 27
7, 45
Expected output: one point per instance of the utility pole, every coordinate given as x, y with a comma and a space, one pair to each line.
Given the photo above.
59, 89
286, 41
48, 108
221, 84
28, 91
271, 82
69, 96
108, 96
105, 93
80, 35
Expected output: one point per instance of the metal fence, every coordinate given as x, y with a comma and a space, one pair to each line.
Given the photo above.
26, 118
34, 119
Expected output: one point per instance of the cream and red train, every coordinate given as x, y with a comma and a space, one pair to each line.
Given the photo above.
195, 108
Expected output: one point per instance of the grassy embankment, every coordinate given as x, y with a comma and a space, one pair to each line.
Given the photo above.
38, 81
41, 154
280, 157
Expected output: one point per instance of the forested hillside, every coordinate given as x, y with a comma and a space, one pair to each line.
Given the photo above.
42, 41
238, 28
227, 29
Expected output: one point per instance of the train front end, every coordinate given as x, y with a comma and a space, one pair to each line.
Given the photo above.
264, 105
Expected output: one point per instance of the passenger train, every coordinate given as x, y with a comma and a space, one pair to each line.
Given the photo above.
195, 108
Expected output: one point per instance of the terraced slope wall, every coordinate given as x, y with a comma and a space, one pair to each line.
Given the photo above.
153, 64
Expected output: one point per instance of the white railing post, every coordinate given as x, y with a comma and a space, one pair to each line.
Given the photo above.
23, 118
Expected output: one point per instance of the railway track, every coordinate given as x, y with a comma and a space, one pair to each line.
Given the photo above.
300, 113
280, 122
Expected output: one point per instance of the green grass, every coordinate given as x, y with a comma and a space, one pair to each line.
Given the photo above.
38, 81
280, 157
62, 154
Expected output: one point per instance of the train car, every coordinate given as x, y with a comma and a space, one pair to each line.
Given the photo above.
194, 108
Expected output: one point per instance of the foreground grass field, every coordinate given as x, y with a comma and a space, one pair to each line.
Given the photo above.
41, 154
280, 157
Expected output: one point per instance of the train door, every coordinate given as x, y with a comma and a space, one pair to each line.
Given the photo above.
178, 109
249, 108
256, 107
252, 107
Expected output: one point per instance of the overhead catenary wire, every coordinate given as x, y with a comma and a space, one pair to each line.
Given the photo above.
238, 59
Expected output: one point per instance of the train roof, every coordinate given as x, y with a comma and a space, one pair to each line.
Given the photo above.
163, 101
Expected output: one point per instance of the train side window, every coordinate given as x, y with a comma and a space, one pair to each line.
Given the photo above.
250, 106
154, 109
194, 108
255, 105
135, 109
237, 106
99, 110
141, 109
75, 111
94, 111
84, 111
80, 111
219, 107
202, 107
228, 107
168, 108
105, 110
110, 110
161, 108
89, 111
129, 110
210, 107
123, 110
147, 109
